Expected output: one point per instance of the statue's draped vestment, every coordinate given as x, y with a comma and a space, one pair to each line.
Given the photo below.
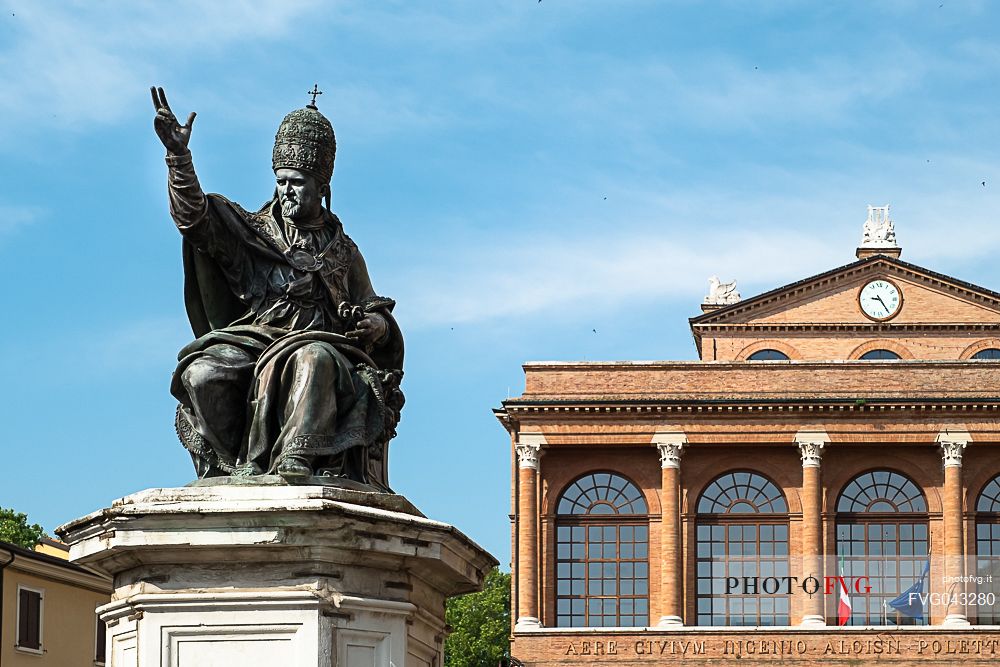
271, 373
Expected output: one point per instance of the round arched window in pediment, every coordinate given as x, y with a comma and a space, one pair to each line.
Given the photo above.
988, 353
879, 355
768, 355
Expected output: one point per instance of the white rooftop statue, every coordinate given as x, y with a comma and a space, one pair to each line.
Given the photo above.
720, 293
878, 230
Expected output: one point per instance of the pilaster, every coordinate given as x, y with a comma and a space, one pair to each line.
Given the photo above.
671, 446
528, 448
811, 445
953, 444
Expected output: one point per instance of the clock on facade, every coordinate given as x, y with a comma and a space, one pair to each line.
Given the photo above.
880, 299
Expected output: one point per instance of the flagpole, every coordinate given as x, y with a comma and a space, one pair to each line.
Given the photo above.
844, 606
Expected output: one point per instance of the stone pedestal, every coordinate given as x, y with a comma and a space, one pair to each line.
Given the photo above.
276, 576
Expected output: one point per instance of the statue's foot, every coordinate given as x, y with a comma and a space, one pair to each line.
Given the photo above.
294, 467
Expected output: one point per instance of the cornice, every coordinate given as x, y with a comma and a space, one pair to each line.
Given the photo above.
855, 269
651, 407
666, 365
868, 328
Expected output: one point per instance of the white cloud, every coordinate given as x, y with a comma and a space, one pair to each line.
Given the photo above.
664, 243
75, 64
13, 218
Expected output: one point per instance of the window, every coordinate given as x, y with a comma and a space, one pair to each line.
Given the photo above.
881, 535
987, 606
988, 353
101, 642
879, 355
768, 355
602, 554
742, 532
29, 619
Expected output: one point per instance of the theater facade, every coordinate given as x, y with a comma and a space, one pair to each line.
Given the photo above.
821, 486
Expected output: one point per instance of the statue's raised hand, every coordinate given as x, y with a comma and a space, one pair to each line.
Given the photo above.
173, 135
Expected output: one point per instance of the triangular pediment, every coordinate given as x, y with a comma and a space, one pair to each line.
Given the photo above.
831, 298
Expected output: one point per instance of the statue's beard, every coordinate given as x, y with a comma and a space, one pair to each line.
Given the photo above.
291, 209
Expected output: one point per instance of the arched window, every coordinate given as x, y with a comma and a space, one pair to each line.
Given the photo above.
602, 554
742, 532
987, 608
988, 353
881, 535
768, 355
879, 355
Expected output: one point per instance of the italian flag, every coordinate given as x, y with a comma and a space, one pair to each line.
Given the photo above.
844, 606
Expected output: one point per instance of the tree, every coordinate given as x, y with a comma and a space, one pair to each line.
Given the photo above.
480, 625
15, 529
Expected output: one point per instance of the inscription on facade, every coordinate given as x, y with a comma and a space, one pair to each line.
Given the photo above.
751, 646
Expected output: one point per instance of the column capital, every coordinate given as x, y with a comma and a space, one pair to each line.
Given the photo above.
811, 444
528, 448
952, 443
671, 445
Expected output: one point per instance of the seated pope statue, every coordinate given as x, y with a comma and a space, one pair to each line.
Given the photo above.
296, 366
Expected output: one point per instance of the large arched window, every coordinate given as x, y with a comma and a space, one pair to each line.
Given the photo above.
878, 355
882, 543
987, 607
742, 532
602, 554
768, 355
988, 353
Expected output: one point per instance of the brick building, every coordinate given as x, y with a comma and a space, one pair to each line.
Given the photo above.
823, 484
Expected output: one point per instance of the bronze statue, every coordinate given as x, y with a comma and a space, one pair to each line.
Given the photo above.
296, 366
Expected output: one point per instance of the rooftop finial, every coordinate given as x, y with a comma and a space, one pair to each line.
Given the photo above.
878, 235
314, 92
720, 293
878, 230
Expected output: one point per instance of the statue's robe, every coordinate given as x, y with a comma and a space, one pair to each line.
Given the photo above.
271, 373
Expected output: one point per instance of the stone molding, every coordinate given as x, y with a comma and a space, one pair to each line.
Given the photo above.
952, 443
529, 448
811, 444
671, 445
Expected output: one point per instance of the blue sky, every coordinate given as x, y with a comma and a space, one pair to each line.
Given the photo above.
530, 180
